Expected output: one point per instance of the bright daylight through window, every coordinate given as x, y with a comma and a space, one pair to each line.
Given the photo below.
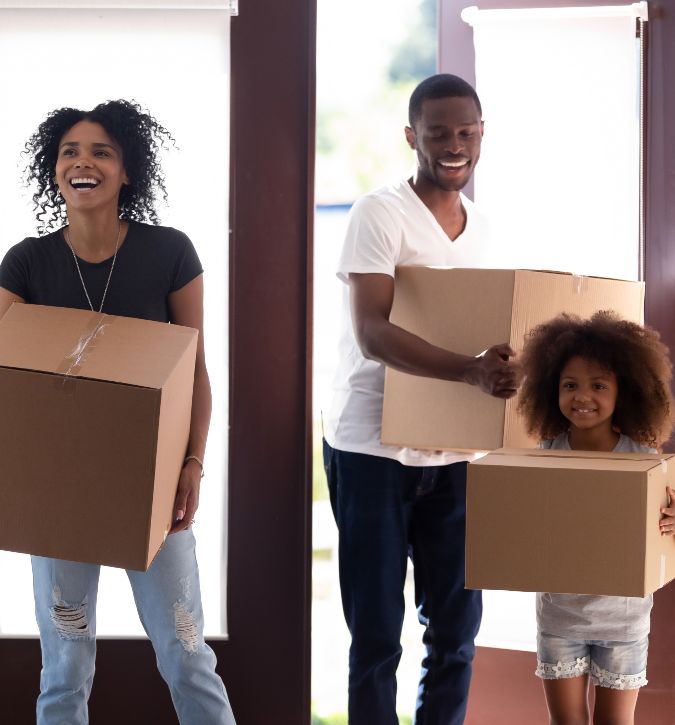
134, 53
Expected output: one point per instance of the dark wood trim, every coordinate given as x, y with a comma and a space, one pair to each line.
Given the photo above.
656, 704
266, 662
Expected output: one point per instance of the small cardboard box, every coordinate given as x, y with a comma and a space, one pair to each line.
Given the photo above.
575, 522
94, 425
468, 311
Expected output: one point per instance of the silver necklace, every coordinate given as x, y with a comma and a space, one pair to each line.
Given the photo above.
112, 266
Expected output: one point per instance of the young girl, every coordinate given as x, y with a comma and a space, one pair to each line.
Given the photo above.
97, 176
595, 385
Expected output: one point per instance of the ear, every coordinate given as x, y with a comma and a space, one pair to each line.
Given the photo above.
410, 138
482, 128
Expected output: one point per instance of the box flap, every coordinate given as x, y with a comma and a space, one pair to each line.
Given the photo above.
91, 345
588, 460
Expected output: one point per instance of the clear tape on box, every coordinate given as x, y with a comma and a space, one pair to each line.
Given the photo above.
73, 362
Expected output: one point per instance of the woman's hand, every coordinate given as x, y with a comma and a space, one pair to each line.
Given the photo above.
667, 523
187, 498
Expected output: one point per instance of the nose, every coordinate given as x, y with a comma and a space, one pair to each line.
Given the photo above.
455, 145
83, 162
581, 397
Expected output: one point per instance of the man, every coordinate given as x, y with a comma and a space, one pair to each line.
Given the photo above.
391, 502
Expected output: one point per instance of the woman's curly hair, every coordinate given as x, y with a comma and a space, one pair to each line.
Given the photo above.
139, 136
644, 408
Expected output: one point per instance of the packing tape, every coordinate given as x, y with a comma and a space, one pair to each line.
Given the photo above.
65, 377
72, 363
580, 284
663, 570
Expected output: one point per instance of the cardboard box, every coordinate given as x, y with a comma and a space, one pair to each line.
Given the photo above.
467, 311
94, 427
576, 522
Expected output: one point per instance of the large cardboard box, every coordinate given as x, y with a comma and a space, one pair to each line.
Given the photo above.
468, 311
577, 522
94, 425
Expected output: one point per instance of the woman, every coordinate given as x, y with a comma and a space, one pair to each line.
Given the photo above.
98, 173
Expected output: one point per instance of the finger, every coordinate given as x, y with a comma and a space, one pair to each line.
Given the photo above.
505, 349
667, 512
505, 394
181, 503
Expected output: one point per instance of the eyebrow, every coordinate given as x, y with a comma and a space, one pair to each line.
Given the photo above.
598, 378
95, 145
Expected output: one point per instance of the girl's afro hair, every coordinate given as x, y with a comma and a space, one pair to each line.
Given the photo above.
139, 136
644, 408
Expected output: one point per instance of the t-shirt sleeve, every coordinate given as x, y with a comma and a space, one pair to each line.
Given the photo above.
372, 242
15, 270
187, 265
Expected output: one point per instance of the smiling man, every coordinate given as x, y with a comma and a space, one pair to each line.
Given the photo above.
393, 502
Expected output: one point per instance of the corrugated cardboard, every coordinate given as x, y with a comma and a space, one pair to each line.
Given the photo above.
576, 522
92, 442
468, 311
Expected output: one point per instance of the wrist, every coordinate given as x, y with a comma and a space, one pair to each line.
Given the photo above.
470, 370
195, 462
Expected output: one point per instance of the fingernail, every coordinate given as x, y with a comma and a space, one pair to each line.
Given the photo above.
179, 515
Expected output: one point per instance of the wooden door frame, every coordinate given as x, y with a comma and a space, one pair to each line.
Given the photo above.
265, 664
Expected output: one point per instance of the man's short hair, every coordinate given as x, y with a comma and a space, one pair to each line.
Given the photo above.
443, 85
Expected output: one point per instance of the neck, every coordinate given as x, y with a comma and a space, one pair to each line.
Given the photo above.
602, 438
434, 196
94, 236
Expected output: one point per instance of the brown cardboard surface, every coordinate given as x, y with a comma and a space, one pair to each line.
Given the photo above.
575, 522
467, 311
90, 461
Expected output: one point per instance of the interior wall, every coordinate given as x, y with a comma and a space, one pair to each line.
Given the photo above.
656, 704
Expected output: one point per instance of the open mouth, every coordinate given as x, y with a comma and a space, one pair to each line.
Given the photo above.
453, 167
584, 410
83, 183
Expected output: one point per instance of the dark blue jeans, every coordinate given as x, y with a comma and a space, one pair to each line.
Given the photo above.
385, 512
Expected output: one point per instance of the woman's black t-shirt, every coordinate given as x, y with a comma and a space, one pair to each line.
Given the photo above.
151, 263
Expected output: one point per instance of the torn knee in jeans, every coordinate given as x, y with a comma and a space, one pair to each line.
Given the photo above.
70, 620
186, 627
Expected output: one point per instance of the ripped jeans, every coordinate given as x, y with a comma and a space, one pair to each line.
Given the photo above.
168, 600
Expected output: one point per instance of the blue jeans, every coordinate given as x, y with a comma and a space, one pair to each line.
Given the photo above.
385, 512
168, 600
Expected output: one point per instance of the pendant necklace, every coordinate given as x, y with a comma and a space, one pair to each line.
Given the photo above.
112, 266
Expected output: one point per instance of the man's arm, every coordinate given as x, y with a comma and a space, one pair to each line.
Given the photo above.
371, 297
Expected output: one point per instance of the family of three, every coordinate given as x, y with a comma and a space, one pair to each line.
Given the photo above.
599, 384
595, 385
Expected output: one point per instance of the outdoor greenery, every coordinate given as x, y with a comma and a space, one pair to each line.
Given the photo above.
361, 148
341, 719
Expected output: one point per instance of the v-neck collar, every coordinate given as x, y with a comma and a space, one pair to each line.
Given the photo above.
432, 218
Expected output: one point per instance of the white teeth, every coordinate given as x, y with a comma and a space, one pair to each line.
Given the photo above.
454, 164
83, 180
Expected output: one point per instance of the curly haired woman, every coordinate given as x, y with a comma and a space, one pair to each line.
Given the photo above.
595, 385
98, 175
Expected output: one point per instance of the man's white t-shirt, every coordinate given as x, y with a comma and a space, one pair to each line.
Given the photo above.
388, 227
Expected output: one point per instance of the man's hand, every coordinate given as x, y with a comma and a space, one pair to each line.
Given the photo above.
667, 523
492, 372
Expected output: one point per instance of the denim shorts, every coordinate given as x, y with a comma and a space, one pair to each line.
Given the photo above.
619, 665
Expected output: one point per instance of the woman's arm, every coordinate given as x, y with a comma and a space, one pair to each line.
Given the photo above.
186, 307
7, 299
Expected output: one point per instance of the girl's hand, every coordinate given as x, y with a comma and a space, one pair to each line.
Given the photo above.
187, 498
667, 523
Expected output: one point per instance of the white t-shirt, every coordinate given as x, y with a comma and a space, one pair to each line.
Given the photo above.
388, 227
